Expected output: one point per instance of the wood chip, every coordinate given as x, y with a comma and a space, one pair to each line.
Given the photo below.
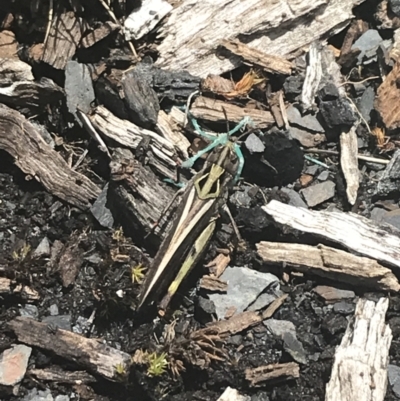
92, 354
313, 77
274, 373
8, 45
360, 367
270, 63
12, 70
36, 158
98, 34
331, 263
213, 110
70, 261
64, 37
219, 264
387, 97
212, 283
349, 163
54, 374
355, 232
9, 287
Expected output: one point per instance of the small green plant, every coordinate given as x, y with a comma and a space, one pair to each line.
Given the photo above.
120, 370
137, 273
157, 364
21, 253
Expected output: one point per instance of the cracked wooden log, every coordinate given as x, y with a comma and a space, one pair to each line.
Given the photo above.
360, 367
37, 159
354, 232
331, 263
96, 356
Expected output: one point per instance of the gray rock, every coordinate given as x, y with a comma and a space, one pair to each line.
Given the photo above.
254, 144
78, 88
392, 217
205, 310
260, 397
244, 287
62, 398
377, 214
100, 210
394, 379
368, 43
13, 364
366, 103
294, 348
53, 310
308, 121
95, 258
312, 170
390, 180
324, 175
242, 197
35, 395
29, 311
43, 249
344, 308
306, 139
319, 193
294, 198
58, 322
44, 133
395, 7
82, 325
279, 327
337, 112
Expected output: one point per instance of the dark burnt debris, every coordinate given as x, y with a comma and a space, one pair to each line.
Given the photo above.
293, 287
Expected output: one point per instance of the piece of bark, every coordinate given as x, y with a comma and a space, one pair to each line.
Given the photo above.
37, 159
138, 196
193, 30
70, 261
64, 37
31, 95
92, 354
58, 375
357, 28
273, 373
331, 263
332, 295
9, 287
360, 366
212, 283
219, 264
8, 45
213, 110
140, 98
355, 232
387, 96
349, 163
12, 70
268, 62
98, 34
275, 104
130, 135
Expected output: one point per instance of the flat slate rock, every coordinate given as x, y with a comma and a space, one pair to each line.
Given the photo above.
244, 287
319, 193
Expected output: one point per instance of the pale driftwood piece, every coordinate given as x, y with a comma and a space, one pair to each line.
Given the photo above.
31, 94
270, 63
360, 368
128, 134
144, 18
64, 37
12, 70
355, 232
169, 130
37, 159
387, 96
213, 110
313, 77
93, 354
231, 394
219, 264
194, 29
274, 373
349, 163
61, 376
212, 283
8, 287
331, 263
98, 34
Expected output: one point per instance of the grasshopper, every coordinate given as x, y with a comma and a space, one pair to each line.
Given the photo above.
196, 218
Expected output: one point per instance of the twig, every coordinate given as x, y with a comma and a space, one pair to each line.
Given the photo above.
336, 153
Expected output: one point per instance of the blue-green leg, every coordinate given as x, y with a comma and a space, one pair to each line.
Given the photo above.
239, 154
